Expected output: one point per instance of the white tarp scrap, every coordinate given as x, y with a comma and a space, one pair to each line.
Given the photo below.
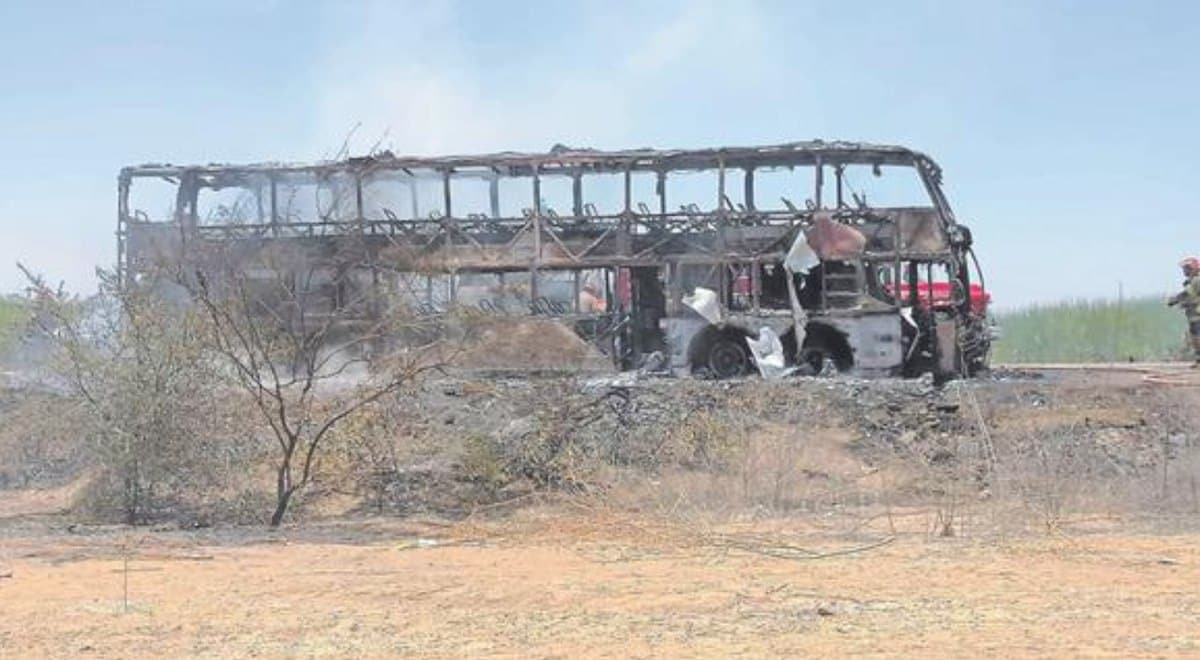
799, 259
704, 301
767, 351
801, 256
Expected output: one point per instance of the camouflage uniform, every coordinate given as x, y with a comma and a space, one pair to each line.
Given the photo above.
1189, 300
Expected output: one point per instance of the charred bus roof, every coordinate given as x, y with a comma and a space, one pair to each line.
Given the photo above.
568, 160
413, 201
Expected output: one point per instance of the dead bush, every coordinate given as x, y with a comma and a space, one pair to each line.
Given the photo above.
706, 440
1052, 474
160, 434
396, 459
41, 443
483, 465
186, 474
303, 373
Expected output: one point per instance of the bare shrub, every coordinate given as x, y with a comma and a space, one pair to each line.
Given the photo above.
1051, 474
1179, 476
756, 449
705, 440
1063, 457
136, 365
1182, 479
552, 452
305, 343
484, 466
397, 459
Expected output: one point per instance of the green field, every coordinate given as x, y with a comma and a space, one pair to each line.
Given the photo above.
1138, 329
12, 321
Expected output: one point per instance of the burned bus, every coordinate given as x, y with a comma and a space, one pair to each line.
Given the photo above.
811, 255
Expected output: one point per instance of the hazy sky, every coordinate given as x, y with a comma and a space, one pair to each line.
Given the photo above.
1067, 129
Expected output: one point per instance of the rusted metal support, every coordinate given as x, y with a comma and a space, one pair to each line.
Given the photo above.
123, 182
748, 188
628, 190
756, 284
181, 192
931, 178
674, 286
722, 212
608, 286
897, 278
274, 200
721, 186
185, 203
724, 284
575, 288
625, 227
661, 189
536, 262
358, 198
818, 181
839, 172
577, 195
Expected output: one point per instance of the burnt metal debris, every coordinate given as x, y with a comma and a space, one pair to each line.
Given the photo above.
611, 242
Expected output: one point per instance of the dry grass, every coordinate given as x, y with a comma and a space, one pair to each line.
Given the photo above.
737, 532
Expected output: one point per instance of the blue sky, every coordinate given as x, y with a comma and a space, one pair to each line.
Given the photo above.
1066, 129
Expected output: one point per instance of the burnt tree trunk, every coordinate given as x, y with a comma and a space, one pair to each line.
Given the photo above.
283, 490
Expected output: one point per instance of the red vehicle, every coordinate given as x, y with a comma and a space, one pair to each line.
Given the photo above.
940, 296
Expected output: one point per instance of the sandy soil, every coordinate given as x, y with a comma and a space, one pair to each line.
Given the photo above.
570, 585
507, 343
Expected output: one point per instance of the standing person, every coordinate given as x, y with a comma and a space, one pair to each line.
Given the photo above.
590, 301
1189, 300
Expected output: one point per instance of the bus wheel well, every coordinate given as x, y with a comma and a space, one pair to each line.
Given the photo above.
821, 342
721, 351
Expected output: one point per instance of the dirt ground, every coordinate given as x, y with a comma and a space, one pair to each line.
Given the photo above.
570, 583
574, 577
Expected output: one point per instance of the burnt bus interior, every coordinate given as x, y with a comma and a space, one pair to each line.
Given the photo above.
613, 242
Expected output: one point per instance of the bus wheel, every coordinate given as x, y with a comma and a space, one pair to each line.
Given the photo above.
815, 359
728, 358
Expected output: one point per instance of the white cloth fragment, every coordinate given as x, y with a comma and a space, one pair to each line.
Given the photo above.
801, 256
704, 301
767, 351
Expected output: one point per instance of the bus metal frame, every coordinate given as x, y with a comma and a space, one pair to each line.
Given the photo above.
877, 313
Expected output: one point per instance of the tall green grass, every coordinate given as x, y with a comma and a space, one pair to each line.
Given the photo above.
13, 317
1138, 329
